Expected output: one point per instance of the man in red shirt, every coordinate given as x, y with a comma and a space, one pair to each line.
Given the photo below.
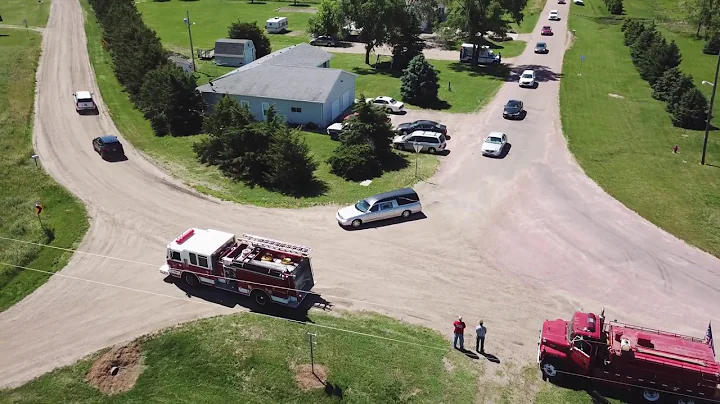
459, 333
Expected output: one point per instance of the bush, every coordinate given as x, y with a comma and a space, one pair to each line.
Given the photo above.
632, 28
355, 162
659, 58
642, 44
672, 85
614, 6
690, 111
370, 126
291, 168
419, 82
712, 47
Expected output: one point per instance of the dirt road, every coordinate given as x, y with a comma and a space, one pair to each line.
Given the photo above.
513, 241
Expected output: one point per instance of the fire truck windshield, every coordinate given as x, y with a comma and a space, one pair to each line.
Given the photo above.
362, 206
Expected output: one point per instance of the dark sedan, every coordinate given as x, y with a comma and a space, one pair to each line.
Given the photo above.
541, 47
424, 125
513, 109
108, 146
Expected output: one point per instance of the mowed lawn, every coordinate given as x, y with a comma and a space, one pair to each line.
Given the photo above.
35, 12
244, 358
532, 12
625, 144
22, 184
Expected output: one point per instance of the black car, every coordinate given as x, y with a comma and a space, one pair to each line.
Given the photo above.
513, 109
108, 146
429, 126
541, 47
323, 40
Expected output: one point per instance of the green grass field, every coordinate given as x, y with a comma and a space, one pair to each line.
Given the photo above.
532, 15
22, 184
624, 144
35, 12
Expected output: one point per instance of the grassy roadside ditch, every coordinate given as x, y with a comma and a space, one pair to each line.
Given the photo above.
22, 184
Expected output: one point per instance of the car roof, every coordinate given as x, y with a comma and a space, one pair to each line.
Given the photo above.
496, 134
528, 71
109, 139
541, 44
83, 94
384, 97
514, 101
400, 192
425, 121
425, 133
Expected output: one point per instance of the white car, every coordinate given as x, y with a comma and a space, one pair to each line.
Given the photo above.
389, 104
579, 2
527, 78
554, 15
494, 144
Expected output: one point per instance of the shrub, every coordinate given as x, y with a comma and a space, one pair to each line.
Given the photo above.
712, 47
355, 162
614, 6
419, 82
672, 85
690, 111
632, 28
660, 57
251, 31
643, 43
370, 126
291, 168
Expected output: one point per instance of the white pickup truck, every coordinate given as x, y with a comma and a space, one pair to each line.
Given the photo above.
84, 102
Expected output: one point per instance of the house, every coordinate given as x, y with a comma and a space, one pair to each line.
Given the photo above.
297, 81
234, 52
185, 64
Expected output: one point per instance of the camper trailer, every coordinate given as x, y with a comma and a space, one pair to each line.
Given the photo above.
276, 25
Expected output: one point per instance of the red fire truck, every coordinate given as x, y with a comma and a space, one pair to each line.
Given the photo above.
265, 269
660, 366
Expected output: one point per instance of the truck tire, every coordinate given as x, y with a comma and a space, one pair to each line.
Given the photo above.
550, 369
260, 298
651, 396
190, 279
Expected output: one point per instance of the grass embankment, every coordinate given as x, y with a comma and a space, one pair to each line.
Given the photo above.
251, 359
36, 13
532, 12
22, 184
624, 144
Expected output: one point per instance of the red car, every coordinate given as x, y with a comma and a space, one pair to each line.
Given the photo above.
546, 30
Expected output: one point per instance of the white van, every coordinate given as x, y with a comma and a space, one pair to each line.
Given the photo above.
276, 25
84, 101
485, 55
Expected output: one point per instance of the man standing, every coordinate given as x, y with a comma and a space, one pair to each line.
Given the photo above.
480, 330
459, 333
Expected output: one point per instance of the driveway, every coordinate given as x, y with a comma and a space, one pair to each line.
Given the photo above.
513, 241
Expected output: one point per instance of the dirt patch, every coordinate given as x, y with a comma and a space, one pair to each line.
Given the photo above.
295, 33
117, 370
616, 96
305, 378
308, 10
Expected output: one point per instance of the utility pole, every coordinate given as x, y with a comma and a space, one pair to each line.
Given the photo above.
311, 340
192, 50
710, 110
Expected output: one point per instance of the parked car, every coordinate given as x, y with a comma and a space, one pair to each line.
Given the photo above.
108, 146
432, 142
494, 144
432, 126
527, 78
389, 104
579, 2
513, 109
401, 203
541, 47
335, 130
546, 30
323, 40
554, 15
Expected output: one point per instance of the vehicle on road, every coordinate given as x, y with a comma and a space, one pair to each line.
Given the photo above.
108, 146
546, 30
401, 203
541, 47
513, 109
323, 40
267, 270
527, 78
554, 15
425, 125
431, 142
579, 2
659, 366
494, 144
561, 1
335, 130
389, 104
84, 102
485, 55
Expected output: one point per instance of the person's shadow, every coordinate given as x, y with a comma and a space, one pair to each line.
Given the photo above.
492, 358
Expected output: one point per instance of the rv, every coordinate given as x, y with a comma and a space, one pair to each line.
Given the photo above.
276, 25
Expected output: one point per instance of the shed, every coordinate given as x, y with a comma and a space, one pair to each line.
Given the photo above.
234, 52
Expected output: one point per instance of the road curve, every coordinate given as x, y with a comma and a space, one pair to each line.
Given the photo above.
513, 240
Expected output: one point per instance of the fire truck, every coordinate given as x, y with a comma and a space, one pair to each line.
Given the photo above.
658, 366
267, 270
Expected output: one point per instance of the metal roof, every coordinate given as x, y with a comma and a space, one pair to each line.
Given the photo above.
202, 242
297, 55
230, 47
399, 192
309, 84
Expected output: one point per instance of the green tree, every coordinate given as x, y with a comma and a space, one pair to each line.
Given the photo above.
660, 57
691, 111
251, 30
327, 20
355, 162
291, 168
375, 19
672, 85
615, 7
475, 18
712, 47
405, 41
425, 10
632, 28
371, 126
169, 100
643, 43
419, 82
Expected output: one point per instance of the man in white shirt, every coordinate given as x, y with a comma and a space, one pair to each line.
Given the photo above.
480, 331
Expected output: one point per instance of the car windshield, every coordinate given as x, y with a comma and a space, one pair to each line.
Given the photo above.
541, 44
493, 139
512, 104
362, 206
527, 76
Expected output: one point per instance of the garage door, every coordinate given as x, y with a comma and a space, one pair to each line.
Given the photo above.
335, 108
346, 100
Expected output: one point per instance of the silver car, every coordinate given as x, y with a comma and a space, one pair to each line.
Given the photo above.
401, 203
432, 142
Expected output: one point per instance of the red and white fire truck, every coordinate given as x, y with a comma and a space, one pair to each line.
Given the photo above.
663, 367
265, 269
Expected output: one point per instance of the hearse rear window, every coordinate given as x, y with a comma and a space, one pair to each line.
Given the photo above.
407, 199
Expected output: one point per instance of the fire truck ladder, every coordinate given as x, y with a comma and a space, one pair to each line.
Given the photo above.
277, 245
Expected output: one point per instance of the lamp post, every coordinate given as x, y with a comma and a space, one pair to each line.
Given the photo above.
192, 51
709, 114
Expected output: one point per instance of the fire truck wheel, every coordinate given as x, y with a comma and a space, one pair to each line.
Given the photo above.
356, 223
190, 279
651, 395
406, 214
260, 297
549, 369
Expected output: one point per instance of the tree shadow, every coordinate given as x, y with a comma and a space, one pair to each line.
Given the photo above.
395, 162
315, 187
256, 2
437, 105
49, 234
381, 68
542, 73
492, 44
300, 5
500, 71
386, 222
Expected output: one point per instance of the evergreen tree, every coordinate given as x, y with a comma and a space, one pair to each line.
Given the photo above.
642, 44
169, 100
632, 30
712, 47
291, 168
676, 89
660, 57
405, 40
371, 126
226, 120
251, 31
419, 82
355, 162
668, 81
690, 112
